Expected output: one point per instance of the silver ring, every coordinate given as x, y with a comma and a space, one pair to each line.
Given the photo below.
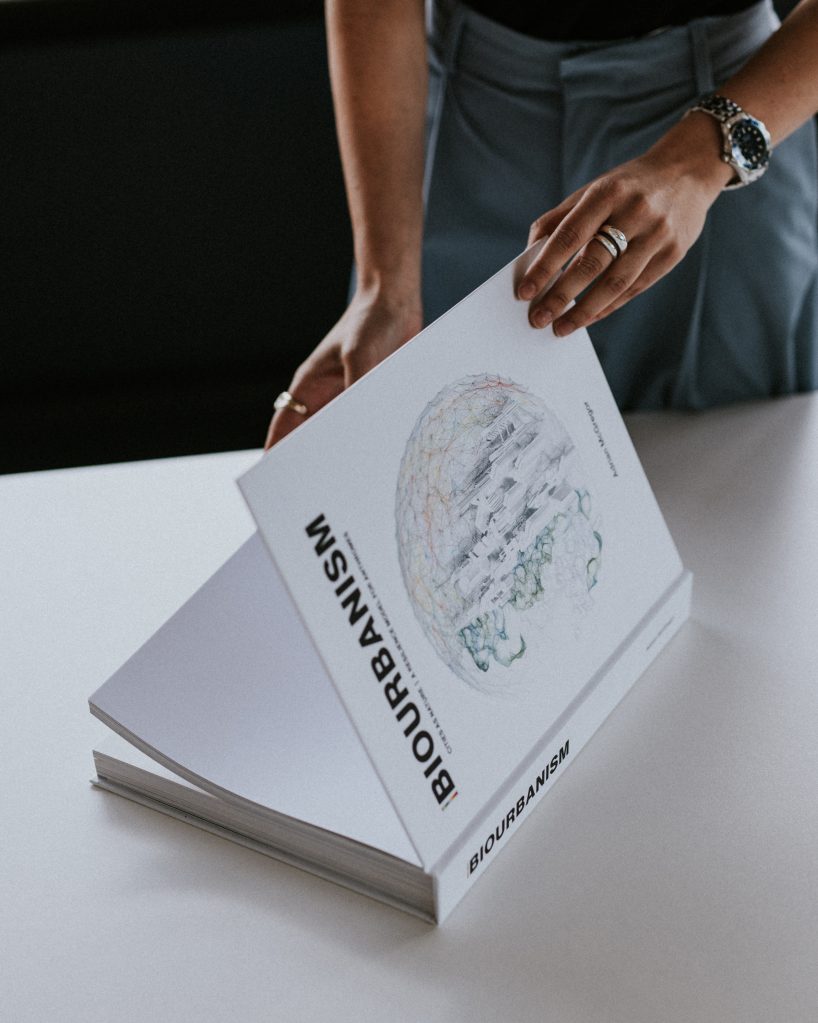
286, 400
606, 241
616, 236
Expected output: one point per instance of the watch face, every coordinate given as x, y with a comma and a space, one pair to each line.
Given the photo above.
749, 144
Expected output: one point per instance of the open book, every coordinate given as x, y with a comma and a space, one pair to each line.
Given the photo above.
460, 570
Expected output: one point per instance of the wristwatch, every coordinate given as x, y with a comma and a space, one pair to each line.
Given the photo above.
746, 142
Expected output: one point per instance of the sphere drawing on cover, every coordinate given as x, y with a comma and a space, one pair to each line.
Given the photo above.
497, 540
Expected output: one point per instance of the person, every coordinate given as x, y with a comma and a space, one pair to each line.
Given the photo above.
695, 293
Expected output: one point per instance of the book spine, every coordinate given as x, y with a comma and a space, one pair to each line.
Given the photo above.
468, 859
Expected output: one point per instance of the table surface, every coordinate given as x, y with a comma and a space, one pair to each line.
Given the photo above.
671, 876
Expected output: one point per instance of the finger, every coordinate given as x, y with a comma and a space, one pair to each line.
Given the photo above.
284, 421
619, 276
314, 384
544, 225
574, 231
656, 268
586, 267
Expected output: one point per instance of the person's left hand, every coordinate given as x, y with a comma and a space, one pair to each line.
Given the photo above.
658, 201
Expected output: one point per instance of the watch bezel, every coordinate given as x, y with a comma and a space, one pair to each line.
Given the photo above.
729, 114
745, 174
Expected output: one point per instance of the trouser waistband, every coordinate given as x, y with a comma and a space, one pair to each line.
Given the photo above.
460, 38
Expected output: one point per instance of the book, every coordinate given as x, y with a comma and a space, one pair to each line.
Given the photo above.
459, 571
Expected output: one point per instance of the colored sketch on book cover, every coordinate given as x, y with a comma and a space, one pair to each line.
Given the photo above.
499, 542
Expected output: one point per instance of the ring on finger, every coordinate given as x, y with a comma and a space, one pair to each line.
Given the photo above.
616, 236
286, 400
603, 239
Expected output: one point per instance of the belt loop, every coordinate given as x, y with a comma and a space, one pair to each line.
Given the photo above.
454, 31
702, 64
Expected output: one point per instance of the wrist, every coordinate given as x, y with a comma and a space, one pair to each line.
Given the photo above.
693, 149
395, 282
388, 253
398, 293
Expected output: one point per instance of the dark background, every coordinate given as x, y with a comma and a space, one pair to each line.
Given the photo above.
173, 230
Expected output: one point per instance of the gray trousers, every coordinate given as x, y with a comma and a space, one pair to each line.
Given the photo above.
515, 124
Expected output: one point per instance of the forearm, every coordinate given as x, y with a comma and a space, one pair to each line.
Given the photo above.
778, 85
377, 56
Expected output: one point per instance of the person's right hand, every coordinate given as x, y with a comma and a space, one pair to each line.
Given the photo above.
371, 328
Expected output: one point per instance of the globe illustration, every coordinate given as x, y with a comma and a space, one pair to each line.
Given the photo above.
496, 533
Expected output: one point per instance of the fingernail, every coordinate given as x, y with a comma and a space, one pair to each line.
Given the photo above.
527, 290
564, 327
542, 317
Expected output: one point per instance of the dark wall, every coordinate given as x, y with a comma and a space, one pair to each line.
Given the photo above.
174, 233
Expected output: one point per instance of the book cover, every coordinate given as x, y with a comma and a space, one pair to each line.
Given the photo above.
471, 542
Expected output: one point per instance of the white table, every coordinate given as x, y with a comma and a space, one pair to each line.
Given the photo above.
671, 876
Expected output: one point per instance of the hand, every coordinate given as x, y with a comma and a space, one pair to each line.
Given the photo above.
659, 202
371, 328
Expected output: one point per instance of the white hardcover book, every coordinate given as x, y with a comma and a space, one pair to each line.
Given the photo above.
467, 572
